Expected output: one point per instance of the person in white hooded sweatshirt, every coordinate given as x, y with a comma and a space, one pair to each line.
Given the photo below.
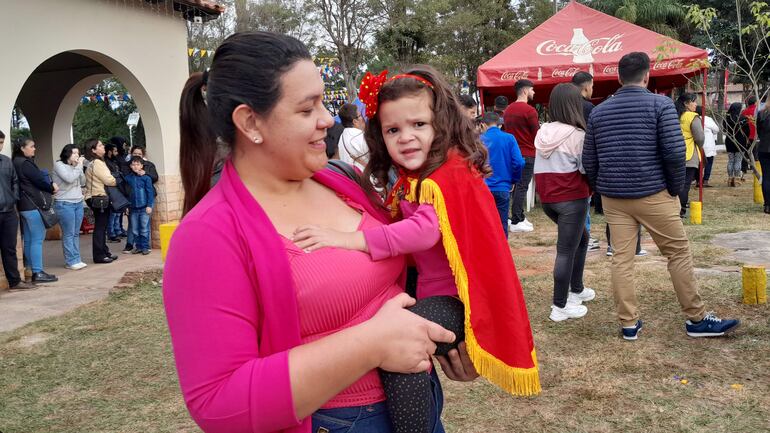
564, 192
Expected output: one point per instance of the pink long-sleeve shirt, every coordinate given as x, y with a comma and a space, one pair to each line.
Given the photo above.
417, 234
233, 309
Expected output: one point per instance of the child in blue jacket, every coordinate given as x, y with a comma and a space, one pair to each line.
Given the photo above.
142, 199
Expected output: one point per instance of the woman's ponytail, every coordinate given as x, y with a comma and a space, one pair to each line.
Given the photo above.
198, 145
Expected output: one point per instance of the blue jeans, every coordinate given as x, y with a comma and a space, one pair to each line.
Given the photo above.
70, 218
34, 234
373, 418
140, 228
502, 201
115, 225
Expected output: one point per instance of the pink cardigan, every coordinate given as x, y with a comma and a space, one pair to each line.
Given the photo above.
232, 311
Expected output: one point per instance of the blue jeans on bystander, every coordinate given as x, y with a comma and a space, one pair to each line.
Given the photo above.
140, 227
502, 201
34, 234
70, 218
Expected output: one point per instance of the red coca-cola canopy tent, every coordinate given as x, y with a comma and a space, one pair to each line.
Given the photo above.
579, 38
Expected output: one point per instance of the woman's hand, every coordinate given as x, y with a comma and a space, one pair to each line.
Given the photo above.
403, 341
310, 238
55, 187
457, 365
148, 210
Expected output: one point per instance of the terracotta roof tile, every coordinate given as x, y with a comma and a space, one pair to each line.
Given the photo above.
205, 6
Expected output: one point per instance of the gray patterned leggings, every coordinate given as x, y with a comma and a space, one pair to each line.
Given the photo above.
409, 396
734, 160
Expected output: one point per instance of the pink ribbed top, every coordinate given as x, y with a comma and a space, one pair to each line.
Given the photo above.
337, 289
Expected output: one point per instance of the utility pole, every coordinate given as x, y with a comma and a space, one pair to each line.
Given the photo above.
555, 6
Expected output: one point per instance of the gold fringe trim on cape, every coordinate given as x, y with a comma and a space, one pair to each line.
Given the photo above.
516, 381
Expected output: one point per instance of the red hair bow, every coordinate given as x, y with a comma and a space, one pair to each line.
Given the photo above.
369, 91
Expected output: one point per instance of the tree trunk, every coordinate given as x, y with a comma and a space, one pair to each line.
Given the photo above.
241, 15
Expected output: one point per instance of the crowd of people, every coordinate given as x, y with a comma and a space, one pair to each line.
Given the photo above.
284, 284
77, 190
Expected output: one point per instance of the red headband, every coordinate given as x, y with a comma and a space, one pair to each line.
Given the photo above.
369, 91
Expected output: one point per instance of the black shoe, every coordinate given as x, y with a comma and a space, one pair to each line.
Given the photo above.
115, 240
136, 251
104, 260
42, 277
767, 209
145, 252
113, 257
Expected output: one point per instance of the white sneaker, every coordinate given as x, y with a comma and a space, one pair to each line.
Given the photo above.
76, 266
570, 311
584, 296
527, 223
641, 253
521, 227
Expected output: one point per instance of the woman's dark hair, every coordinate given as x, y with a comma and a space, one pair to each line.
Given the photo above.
348, 113
467, 101
566, 105
66, 152
136, 159
247, 69
20, 143
140, 147
684, 98
90, 145
452, 128
734, 111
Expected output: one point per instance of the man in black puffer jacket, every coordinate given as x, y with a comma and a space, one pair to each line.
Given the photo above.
634, 156
9, 221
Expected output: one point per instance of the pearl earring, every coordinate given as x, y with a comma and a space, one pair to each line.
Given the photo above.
257, 140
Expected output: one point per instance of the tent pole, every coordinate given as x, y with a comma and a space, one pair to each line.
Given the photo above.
704, 74
481, 99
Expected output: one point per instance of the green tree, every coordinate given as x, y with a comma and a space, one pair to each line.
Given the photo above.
666, 17
746, 48
104, 120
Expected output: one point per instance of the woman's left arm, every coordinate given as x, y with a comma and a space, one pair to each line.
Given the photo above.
36, 176
697, 131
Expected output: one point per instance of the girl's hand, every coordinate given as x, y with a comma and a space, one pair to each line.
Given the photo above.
311, 238
402, 341
148, 210
457, 365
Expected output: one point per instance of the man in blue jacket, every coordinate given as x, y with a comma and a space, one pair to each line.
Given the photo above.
634, 156
506, 162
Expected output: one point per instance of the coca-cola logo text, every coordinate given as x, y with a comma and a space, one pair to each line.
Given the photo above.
564, 73
594, 46
669, 64
610, 70
514, 76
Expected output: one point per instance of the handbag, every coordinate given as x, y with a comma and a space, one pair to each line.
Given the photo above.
98, 202
47, 214
118, 202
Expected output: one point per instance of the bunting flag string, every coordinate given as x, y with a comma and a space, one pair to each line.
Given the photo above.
199, 53
104, 97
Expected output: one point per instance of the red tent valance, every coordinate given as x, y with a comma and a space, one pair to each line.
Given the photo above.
579, 38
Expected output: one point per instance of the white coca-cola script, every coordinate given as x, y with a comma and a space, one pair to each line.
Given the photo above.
514, 76
607, 45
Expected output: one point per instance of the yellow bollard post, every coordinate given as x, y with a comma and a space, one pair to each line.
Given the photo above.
754, 285
696, 212
758, 198
166, 230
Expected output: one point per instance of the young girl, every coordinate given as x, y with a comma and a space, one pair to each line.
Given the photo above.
448, 222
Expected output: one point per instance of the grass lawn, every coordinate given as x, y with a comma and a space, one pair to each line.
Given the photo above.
107, 366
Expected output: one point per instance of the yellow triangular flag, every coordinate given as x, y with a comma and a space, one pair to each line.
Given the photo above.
203, 53
190, 52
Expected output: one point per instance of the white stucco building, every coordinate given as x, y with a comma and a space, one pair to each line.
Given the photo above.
52, 51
